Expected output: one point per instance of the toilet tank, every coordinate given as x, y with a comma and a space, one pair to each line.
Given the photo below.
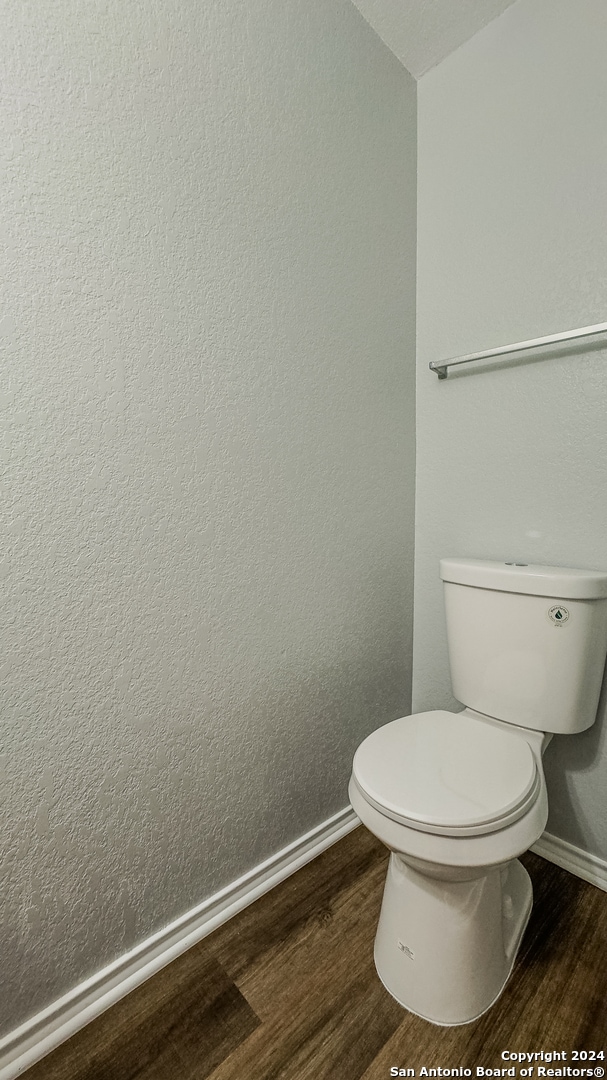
527, 643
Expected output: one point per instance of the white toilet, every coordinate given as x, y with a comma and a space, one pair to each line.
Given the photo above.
458, 796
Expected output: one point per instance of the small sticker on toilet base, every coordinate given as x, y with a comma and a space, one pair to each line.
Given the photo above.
407, 951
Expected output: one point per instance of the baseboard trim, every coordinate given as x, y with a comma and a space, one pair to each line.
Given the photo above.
571, 858
48, 1029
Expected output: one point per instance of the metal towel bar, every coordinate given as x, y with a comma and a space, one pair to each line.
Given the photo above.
440, 366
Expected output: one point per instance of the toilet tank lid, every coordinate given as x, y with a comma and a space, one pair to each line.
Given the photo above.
560, 582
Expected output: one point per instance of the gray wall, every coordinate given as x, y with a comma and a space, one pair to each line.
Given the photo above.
208, 452
512, 219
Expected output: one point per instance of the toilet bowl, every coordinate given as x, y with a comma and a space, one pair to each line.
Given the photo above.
456, 900
458, 796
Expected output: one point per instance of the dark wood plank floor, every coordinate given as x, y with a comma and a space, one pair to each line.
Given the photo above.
287, 990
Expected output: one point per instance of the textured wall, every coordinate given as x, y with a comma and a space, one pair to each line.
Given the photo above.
512, 460
207, 444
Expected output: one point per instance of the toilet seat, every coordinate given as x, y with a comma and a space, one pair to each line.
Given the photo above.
447, 773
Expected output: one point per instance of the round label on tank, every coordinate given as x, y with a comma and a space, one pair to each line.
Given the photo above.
558, 614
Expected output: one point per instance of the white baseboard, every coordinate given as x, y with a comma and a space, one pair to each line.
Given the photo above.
48, 1029
573, 859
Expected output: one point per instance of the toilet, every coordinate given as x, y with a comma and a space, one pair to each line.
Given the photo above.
458, 796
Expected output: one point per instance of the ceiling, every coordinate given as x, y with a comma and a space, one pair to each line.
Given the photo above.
423, 32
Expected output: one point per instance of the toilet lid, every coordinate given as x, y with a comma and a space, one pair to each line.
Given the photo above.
441, 771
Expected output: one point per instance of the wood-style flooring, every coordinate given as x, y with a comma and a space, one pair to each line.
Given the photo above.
287, 990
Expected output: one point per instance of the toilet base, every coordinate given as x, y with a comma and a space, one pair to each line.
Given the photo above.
445, 948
